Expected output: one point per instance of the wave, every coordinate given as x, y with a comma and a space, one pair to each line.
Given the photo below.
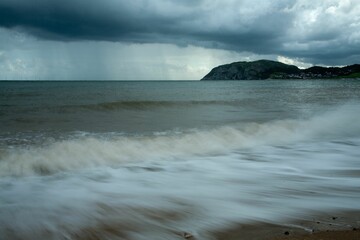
141, 105
91, 151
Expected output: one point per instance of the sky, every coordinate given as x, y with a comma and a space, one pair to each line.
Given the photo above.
170, 39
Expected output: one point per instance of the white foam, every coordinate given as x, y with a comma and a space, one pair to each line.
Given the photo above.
194, 194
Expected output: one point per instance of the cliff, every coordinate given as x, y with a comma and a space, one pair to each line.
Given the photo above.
266, 69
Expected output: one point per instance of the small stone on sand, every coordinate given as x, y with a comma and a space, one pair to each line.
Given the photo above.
187, 235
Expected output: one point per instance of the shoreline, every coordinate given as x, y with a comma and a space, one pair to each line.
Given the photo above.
338, 226
327, 235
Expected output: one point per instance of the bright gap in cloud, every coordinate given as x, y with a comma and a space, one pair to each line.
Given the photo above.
291, 61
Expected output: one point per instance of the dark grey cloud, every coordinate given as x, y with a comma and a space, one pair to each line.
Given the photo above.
113, 20
325, 32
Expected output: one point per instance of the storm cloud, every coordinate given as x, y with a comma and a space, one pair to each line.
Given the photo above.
218, 22
317, 32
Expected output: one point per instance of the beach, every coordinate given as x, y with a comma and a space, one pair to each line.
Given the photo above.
325, 226
174, 160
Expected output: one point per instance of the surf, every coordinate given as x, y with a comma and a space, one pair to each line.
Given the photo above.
94, 150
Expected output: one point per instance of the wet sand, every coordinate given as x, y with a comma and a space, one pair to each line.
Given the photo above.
341, 226
331, 235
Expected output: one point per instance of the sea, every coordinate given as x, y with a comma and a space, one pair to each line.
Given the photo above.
162, 159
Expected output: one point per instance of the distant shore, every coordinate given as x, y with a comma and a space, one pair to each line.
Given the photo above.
266, 69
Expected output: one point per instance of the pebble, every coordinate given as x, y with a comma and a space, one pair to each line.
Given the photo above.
187, 235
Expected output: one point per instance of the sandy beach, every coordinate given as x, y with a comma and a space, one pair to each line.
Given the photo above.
340, 226
345, 226
331, 235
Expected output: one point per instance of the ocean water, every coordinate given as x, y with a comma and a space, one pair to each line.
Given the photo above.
152, 160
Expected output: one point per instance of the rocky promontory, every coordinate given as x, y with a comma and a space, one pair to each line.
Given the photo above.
266, 69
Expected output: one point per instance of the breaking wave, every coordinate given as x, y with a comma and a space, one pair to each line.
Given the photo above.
93, 151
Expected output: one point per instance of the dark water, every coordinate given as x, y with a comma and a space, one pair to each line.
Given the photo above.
138, 107
153, 159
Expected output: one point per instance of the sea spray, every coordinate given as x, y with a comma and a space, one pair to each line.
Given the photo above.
197, 194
